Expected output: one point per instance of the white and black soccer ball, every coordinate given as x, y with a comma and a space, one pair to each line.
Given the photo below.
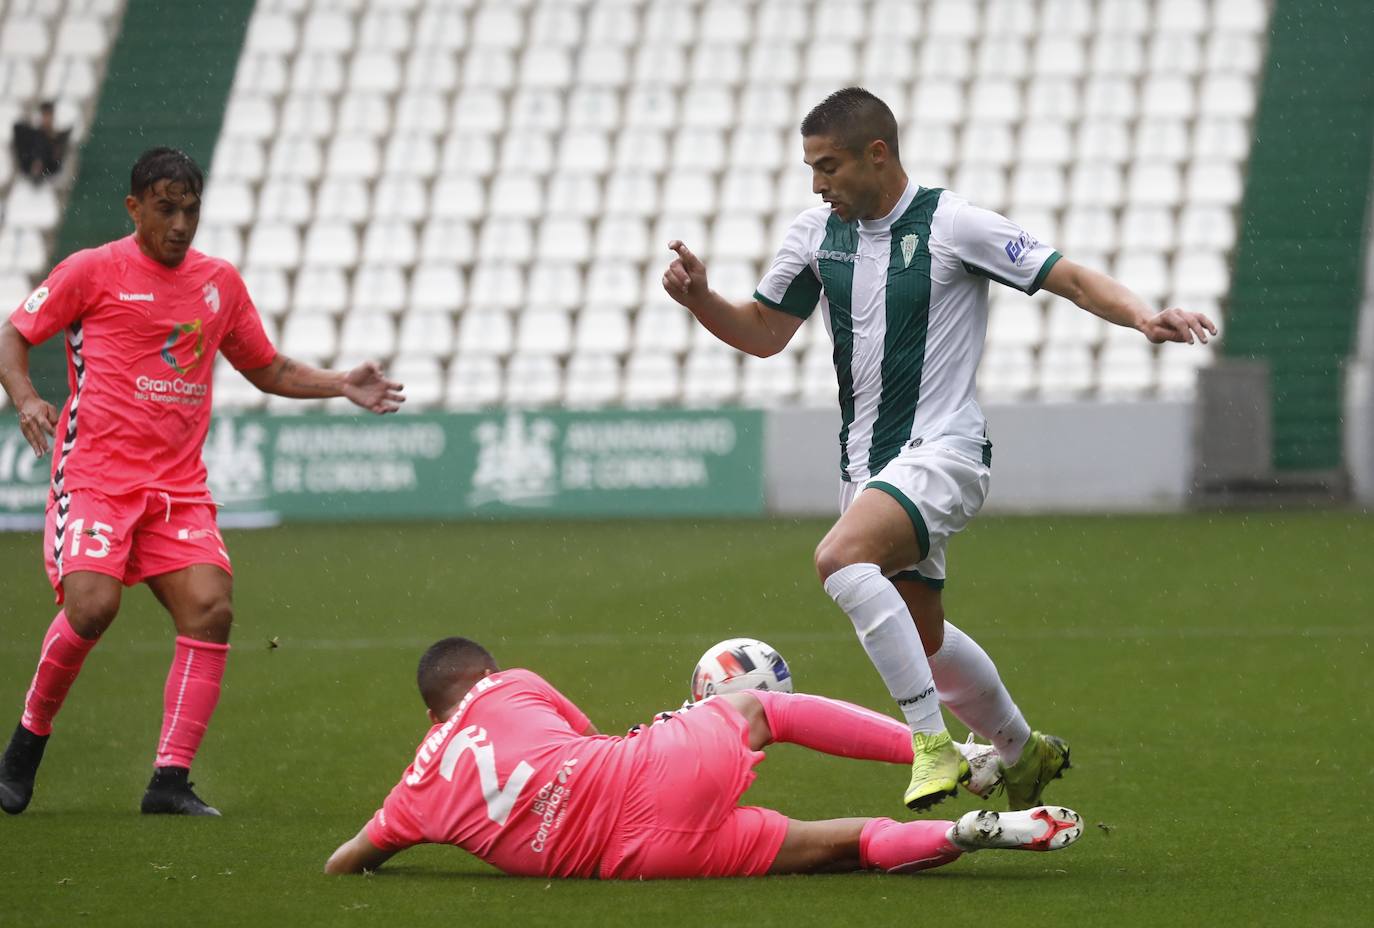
739, 664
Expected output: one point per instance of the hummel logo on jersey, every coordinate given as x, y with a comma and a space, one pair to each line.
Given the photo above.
136, 297
824, 255
909, 243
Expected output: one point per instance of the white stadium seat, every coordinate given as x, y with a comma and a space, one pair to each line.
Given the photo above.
533, 380
320, 290
425, 333
423, 380
474, 382
369, 334
542, 331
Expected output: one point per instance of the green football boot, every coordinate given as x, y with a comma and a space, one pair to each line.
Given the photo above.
1044, 758
937, 769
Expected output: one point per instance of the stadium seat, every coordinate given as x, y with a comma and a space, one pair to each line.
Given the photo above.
309, 116
400, 197
631, 194
1207, 227
425, 333
24, 37
497, 285
1216, 183
320, 290
1045, 143
1151, 184
747, 192
564, 238
689, 193
268, 289
390, 242
537, 108
603, 66
378, 289
543, 331
353, 157
584, 151
533, 380
327, 31
545, 67
385, 30
82, 37
317, 73
1070, 325
555, 283
331, 244
1007, 373
1059, 54
987, 143
309, 337
1161, 141
769, 382
368, 334
272, 245
220, 241
485, 331
458, 196
1144, 272
441, 27
474, 382
421, 112
1089, 228
296, 158
557, 24
940, 102
1148, 228
478, 110
1103, 140
1125, 370
374, 72
436, 287
651, 380
1065, 372
622, 238
1201, 274
267, 74
505, 240
603, 330
1117, 55
1015, 323
423, 380
661, 329
592, 380
1240, 15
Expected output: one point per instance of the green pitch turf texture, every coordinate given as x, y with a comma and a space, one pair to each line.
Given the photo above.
1212, 673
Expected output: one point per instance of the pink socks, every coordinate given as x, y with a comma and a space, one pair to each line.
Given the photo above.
905, 847
59, 662
835, 727
189, 699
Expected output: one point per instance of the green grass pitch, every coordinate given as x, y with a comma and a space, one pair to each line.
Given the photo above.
1212, 673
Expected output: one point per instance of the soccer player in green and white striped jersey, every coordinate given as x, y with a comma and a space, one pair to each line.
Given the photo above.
901, 273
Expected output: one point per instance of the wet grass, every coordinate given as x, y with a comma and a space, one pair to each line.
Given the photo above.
1211, 672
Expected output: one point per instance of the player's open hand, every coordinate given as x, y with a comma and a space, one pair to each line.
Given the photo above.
685, 279
38, 422
1178, 325
368, 387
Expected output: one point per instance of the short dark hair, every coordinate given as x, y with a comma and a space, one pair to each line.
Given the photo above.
47, 106
853, 117
158, 164
446, 665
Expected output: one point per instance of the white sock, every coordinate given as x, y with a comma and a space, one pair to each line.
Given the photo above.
971, 689
888, 634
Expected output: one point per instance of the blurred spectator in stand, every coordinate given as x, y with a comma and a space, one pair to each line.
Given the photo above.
40, 148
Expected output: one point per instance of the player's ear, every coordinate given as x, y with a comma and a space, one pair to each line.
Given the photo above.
131, 204
432, 717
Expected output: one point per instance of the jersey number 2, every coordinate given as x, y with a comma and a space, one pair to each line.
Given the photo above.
500, 800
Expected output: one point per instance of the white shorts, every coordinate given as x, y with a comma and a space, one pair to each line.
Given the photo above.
940, 488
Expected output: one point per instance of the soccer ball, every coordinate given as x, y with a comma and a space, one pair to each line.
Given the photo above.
739, 664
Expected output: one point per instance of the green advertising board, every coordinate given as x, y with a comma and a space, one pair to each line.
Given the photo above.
459, 465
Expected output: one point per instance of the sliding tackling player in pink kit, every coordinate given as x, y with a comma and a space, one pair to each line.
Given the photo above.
515, 774
143, 318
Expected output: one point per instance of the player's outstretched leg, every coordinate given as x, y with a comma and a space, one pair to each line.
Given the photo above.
1044, 758
1044, 828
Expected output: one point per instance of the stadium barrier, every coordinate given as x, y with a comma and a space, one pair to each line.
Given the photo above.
507, 464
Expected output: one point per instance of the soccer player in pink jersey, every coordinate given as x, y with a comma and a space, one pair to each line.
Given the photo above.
517, 775
143, 317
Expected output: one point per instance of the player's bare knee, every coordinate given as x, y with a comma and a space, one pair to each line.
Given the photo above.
835, 555
208, 620
91, 612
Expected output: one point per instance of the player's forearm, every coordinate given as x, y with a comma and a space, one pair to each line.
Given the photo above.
1109, 298
296, 380
14, 366
356, 856
740, 325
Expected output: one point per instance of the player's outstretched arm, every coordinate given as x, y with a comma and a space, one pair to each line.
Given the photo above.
366, 385
750, 327
356, 855
37, 418
1113, 301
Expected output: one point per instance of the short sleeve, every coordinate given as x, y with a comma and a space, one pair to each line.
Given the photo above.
392, 828
992, 246
790, 284
565, 707
57, 303
246, 344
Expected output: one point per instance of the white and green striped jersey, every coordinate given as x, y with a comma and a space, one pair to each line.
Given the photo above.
906, 300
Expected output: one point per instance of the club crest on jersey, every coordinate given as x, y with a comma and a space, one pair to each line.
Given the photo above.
35, 300
909, 243
212, 296
198, 348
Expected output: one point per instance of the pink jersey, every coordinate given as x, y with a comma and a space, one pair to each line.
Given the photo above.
511, 779
141, 343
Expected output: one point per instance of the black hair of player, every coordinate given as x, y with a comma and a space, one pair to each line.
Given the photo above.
447, 664
854, 118
170, 164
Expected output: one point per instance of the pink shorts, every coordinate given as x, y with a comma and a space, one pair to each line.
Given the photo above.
680, 817
130, 537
